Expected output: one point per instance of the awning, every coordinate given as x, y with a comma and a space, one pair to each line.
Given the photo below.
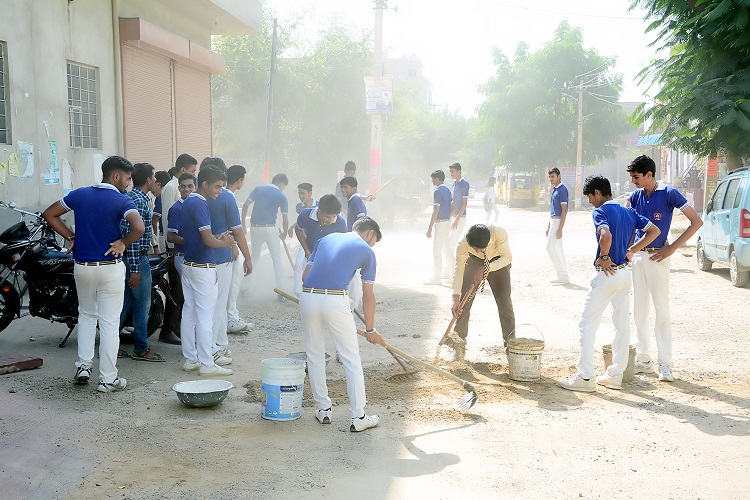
649, 140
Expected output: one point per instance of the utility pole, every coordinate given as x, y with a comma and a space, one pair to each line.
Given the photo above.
376, 128
269, 113
579, 149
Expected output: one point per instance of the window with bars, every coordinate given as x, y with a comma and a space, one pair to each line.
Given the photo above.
4, 98
83, 107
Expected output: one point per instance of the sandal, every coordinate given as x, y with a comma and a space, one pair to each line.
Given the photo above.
141, 356
122, 354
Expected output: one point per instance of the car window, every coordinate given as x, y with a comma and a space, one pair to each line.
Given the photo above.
718, 196
731, 193
740, 192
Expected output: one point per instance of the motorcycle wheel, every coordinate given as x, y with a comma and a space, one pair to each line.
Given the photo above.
155, 318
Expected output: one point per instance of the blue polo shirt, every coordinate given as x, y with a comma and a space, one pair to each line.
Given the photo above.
622, 223
658, 208
195, 218
157, 212
97, 211
267, 200
336, 258
559, 196
355, 209
301, 207
224, 217
308, 222
460, 191
175, 217
442, 198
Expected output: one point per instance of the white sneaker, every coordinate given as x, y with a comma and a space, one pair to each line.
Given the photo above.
665, 373
237, 326
214, 371
434, 281
364, 423
117, 384
578, 383
560, 281
191, 366
222, 360
323, 416
609, 381
83, 374
645, 366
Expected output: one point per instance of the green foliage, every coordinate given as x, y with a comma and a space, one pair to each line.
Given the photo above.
702, 104
530, 114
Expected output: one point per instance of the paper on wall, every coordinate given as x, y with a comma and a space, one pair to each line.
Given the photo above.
98, 160
3, 172
67, 177
26, 161
52, 176
13, 164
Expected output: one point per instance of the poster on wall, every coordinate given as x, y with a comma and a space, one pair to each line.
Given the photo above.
67, 177
97, 160
26, 158
52, 176
3, 172
13, 165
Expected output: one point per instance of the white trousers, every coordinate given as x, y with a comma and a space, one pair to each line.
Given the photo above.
178, 261
269, 236
555, 250
457, 234
441, 248
651, 282
238, 272
493, 208
299, 267
200, 289
101, 292
331, 312
224, 278
605, 290
355, 291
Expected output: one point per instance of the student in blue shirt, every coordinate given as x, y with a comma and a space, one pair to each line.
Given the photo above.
306, 200
458, 206
199, 278
158, 241
97, 247
324, 307
558, 212
656, 201
355, 206
615, 226
267, 201
312, 224
235, 324
440, 221
186, 186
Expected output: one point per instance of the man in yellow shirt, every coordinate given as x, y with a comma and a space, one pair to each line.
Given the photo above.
482, 255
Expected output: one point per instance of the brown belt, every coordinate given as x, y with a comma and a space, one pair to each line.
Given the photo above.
651, 249
196, 264
323, 291
99, 263
621, 266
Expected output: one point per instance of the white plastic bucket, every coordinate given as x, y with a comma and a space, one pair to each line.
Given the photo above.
629, 373
525, 358
282, 381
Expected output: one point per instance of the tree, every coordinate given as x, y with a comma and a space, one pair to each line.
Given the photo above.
531, 109
703, 105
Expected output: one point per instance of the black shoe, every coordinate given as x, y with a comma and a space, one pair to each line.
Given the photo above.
168, 337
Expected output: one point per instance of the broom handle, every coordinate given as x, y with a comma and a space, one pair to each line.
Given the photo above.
468, 294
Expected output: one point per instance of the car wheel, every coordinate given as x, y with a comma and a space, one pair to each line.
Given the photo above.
703, 263
739, 278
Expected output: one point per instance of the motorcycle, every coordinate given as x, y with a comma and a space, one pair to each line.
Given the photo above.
32, 261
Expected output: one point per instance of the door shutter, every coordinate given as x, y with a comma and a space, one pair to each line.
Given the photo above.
147, 107
192, 100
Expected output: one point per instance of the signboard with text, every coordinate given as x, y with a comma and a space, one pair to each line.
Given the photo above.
379, 95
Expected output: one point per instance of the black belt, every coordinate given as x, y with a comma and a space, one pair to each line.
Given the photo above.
323, 291
201, 265
262, 225
142, 253
99, 263
621, 266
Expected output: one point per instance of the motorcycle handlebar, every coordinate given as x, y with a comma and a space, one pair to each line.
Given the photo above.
12, 206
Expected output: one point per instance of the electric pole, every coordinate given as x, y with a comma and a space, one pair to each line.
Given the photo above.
579, 149
269, 113
376, 128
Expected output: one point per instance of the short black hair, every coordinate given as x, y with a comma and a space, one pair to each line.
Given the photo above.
142, 172
185, 177
364, 224
162, 177
349, 181
210, 174
438, 174
115, 163
455, 166
642, 165
478, 236
280, 179
305, 185
350, 166
235, 173
329, 204
215, 160
594, 182
184, 161
553, 170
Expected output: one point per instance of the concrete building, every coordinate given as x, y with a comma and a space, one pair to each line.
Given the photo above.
408, 80
81, 80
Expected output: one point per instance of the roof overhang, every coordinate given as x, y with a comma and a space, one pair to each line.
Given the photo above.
223, 17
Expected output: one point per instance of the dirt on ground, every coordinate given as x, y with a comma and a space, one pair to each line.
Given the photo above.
686, 439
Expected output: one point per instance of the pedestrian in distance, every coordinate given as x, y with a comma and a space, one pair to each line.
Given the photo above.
199, 278
324, 307
615, 226
99, 272
656, 201
490, 200
235, 324
268, 201
558, 212
137, 299
440, 222
458, 206
482, 256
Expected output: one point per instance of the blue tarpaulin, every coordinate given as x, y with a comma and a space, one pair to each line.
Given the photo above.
650, 140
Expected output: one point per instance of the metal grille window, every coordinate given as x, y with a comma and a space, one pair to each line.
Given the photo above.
4, 98
83, 107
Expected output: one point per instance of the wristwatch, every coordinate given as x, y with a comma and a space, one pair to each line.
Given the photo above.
604, 257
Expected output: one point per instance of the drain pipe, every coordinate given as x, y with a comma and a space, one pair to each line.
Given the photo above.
120, 125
